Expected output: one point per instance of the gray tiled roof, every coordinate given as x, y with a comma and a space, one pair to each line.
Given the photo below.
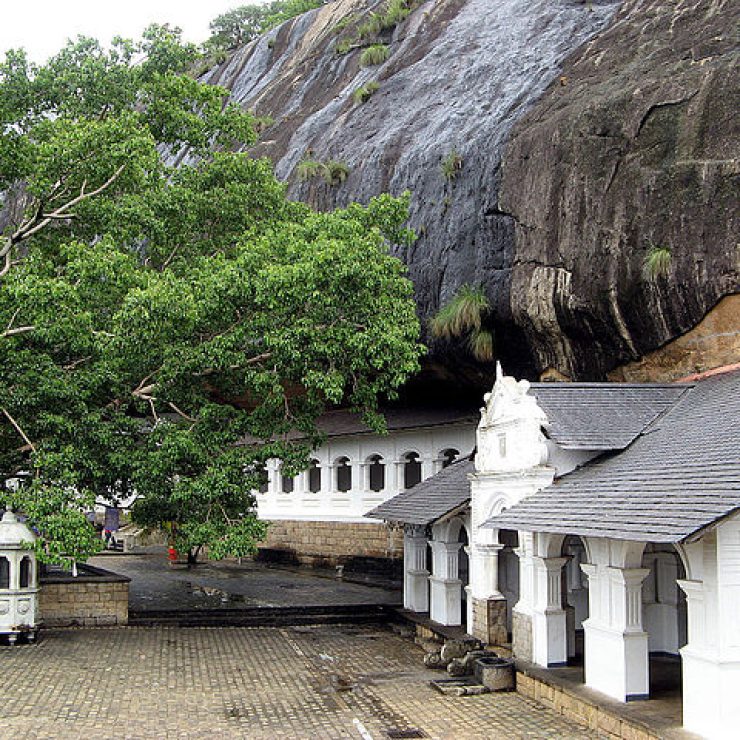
602, 416
341, 422
680, 476
431, 499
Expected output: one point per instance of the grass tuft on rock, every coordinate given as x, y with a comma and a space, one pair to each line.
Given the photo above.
365, 92
373, 55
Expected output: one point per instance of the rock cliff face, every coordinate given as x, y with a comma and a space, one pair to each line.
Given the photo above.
585, 134
458, 76
636, 147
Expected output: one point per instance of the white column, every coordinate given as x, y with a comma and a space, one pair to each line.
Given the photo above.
364, 479
711, 658
549, 639
331, 478
415, 573
396, 481
446, 595
616, 646
427, 467
484, 571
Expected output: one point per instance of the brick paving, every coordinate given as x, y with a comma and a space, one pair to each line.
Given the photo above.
321, 682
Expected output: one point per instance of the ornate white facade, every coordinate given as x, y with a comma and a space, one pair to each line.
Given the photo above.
613, 603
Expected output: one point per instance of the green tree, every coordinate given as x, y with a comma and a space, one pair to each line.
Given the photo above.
237, 27
166, 328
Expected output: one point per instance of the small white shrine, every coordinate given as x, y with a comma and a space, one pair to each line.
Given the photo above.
18, 580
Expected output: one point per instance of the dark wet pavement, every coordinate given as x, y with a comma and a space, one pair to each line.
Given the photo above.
156, 585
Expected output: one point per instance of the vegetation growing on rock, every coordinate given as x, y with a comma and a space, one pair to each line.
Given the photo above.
464, 316
365, 92
373, 55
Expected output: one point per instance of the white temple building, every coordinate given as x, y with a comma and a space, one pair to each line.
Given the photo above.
318, 515
596, 525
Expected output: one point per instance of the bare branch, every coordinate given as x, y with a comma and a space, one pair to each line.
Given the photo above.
6, 267
72, 365
40, 220
18, 429
17, 330
13, 318
181, 413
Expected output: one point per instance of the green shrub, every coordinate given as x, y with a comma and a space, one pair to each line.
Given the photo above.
375, 54
657, 263
334, 172
261, 123
363, 93
309, 168
344, 46
396, 11
371, 27
451, 165
464, 316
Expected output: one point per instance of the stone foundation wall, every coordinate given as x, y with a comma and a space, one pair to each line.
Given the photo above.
86, 601
489, 621
521, 637
332, 543
579, 709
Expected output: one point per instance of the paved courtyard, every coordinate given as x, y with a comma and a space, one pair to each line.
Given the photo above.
259, 683
228, 584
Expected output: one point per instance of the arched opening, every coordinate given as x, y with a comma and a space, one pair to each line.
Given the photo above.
24, 573
314, 476
376, 473
463, 573
411, 470
264, 473
575, 597
287, 483
344, 474
449, 456
664, 618
4, 572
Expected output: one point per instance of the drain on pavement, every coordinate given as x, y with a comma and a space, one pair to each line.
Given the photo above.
466, 686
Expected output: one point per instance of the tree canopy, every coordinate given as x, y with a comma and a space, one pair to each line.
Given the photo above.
163, 327
244, 23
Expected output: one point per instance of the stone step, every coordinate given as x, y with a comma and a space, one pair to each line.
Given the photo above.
262, 616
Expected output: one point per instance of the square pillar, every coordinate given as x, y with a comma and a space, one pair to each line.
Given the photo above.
445, 586
711, 658
487, 608
521, 614
415, 573
616, 646
549, 636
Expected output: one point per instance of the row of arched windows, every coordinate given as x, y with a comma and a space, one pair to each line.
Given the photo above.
412, 472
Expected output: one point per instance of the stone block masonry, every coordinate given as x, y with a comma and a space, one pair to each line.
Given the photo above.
522, 635
329, 544
489, 621
92, 599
